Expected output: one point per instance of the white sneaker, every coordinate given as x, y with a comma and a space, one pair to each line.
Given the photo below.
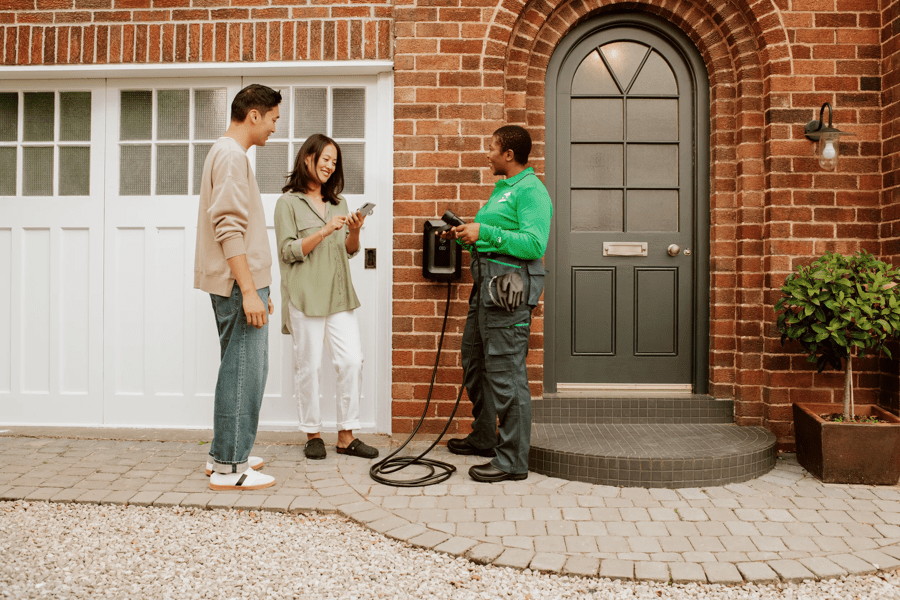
248, 480
256, 463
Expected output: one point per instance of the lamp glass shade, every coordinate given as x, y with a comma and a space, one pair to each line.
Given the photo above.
828, 151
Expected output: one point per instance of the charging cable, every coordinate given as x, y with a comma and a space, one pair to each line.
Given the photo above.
438, 471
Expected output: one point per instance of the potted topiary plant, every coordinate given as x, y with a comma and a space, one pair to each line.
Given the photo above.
835, 307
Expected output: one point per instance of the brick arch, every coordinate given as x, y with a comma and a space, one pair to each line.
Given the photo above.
741, 47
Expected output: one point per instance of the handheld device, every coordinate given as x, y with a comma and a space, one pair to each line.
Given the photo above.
366, 208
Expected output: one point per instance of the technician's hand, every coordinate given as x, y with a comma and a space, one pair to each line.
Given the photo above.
468, 233
255, 310
355, 221
271, 306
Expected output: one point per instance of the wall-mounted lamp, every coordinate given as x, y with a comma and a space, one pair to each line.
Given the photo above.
828, 149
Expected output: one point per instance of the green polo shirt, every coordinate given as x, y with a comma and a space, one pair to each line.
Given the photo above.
516, 218
318, 284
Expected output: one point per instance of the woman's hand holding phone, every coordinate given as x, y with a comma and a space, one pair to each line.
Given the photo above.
355, 221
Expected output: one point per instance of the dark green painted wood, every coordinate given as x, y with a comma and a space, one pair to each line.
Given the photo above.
627, 161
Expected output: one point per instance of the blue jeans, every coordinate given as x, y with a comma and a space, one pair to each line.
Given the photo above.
241, 383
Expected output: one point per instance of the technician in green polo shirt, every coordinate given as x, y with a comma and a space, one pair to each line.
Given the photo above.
510, 235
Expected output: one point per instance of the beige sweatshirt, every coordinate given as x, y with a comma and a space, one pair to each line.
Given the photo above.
230, 221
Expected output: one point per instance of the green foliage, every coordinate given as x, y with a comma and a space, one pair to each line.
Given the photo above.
839, 303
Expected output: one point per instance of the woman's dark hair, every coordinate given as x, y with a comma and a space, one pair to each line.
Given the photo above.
257, 96
515, 138
300, 178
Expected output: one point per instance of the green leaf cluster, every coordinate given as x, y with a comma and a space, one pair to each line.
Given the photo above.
839, 303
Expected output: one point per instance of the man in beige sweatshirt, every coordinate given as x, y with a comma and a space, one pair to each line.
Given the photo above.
233, 264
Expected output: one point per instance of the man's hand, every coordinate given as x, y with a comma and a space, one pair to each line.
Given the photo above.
468, 233
255, 310
271, 306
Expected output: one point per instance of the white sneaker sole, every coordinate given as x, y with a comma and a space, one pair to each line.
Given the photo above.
256, 468
238, 488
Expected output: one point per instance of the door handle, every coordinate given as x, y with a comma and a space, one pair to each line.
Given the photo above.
673, 249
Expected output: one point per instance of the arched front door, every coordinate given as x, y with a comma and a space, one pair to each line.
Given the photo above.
627, 166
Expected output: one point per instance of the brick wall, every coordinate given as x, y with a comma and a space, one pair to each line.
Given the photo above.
890, 169
46, 32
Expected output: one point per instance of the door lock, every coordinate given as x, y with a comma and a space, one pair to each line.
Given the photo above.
674, 249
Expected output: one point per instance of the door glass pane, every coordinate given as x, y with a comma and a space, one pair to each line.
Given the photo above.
656, 78
74, 117
171, 169
136, 117
596, 165
348, 113
39, 108
593, 78
652, 210
9, 117
310, 112
210, 116
597, 210
37, 171
282, 125
652, 165
74, 170
624, 58
173, 114
353, 155
597, 119
200, 152
653, 120
135, 171
7, 171
271, 167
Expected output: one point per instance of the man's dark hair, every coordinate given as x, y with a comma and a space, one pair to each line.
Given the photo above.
254, 96
515, 138
301, 177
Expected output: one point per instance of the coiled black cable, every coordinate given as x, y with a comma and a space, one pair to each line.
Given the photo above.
438, 471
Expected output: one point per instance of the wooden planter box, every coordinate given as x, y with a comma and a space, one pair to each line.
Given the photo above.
848, 452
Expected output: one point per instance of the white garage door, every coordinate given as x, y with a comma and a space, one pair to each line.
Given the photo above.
153, 346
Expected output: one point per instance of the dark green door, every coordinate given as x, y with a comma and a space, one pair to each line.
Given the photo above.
627, 194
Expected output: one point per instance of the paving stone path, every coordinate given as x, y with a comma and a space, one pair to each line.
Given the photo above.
783, 526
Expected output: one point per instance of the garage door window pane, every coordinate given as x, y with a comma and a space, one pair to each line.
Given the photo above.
74, 117
349, 113
354, 158
271, 167
39, 107
9, 117
74, 170
137, 115
135, 171
210, 116
173, 114
37, 171
171, 170
8, 171
309, 112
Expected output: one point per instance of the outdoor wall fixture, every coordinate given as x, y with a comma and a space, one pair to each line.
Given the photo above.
827, 150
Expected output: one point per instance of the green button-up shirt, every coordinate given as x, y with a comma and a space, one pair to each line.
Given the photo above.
516, 218
318, 284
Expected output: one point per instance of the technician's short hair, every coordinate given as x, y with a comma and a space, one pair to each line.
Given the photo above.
515, 138
254, 96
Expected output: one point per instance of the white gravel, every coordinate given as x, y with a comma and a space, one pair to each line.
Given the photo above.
91, 551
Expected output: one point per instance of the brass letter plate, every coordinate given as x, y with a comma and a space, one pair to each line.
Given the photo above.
624, 248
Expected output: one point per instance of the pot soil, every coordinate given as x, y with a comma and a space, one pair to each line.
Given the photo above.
861, 453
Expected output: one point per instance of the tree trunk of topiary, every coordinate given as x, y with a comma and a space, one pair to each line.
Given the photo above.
848, 388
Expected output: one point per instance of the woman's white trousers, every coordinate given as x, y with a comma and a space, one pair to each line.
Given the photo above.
310, 334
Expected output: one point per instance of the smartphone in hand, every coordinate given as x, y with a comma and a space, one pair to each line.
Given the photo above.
366, 208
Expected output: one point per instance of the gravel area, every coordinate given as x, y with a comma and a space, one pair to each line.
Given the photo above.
93, 551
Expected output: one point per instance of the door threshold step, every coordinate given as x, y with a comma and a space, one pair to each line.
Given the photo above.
661, 409
650, 455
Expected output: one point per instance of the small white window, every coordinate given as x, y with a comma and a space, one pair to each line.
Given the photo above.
45, 143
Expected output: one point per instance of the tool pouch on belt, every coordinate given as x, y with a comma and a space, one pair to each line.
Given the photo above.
507, 290
508, 283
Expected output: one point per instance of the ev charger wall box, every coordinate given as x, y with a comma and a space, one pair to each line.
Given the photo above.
441, 259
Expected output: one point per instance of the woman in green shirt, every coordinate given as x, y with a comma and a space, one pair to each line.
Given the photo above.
314, 248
